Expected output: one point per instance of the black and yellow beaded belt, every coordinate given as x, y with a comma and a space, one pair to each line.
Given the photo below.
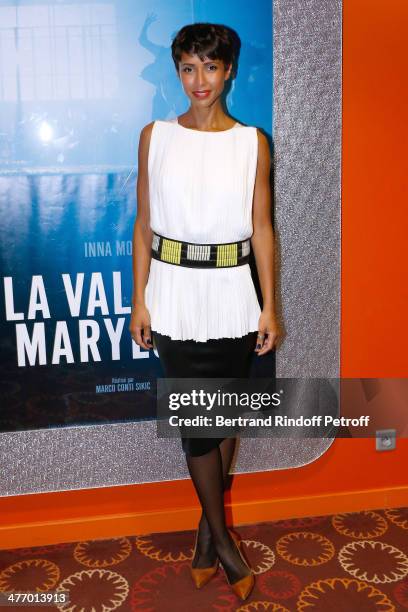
193, 255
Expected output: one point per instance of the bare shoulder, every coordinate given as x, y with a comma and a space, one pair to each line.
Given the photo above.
146, 131
262, 139
263, 147
144, 141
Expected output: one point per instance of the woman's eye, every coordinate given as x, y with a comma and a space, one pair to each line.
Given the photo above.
211, 67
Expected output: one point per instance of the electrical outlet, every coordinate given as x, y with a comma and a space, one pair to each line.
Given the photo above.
386, 439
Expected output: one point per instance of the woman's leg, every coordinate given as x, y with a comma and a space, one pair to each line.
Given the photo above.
206, 553
207, 475
209, 471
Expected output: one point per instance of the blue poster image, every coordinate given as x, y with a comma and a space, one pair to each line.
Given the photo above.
78, 82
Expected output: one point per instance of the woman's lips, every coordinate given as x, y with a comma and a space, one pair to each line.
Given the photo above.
201, 94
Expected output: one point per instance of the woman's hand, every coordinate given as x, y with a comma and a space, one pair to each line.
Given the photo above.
140, 320
268, 332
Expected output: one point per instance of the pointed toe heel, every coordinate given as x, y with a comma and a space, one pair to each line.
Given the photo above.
243, 587
202, 575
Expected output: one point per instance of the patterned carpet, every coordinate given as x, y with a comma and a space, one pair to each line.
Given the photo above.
354, 562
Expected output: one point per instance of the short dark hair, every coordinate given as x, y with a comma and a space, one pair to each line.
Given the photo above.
212, 40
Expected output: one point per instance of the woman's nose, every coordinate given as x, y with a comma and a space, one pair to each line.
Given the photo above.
201, 80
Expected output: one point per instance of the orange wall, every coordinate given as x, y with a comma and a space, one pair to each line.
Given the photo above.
375, 141
374, 334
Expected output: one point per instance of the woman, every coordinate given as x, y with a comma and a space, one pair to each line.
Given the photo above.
203, 199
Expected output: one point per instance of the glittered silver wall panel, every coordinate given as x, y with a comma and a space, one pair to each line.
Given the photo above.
307, 139
307, 130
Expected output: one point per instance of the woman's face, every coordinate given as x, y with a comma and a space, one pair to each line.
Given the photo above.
202, 81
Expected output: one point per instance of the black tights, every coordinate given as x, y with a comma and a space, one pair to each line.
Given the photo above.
209, 473
209, 462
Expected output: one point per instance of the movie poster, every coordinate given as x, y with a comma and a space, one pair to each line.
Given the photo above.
78, 82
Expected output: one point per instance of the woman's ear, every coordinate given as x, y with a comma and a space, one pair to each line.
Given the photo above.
228, 72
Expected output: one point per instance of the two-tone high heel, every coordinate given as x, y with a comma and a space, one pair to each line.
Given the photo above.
244, 586
201, 575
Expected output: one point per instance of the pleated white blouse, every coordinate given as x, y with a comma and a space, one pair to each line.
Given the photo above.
201, 189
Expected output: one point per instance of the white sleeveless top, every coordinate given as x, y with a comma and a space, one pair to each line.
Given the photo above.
200, 189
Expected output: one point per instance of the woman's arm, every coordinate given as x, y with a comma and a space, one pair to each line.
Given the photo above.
142, 243
263, 245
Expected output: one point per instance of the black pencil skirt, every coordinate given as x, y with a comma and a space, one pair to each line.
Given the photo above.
215, 358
